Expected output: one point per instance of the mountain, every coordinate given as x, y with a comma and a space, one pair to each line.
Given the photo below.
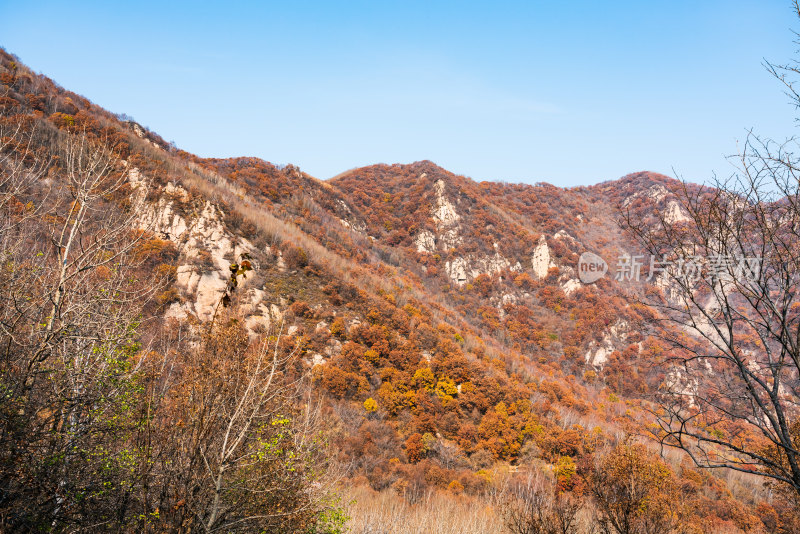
442, 320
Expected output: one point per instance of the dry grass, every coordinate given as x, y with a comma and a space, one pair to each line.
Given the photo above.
374, 512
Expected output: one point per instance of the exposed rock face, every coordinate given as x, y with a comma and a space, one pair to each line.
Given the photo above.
562, 234
571, 285
426, 242
163, 221
260, 314
460, 270
620, 330
457, 270
348, 219
680, 383
656, 193
674, 213
504, 300
161, 217
540, 262
598, 353
446, 218
463, 269
206, 236
206, 246
444, 212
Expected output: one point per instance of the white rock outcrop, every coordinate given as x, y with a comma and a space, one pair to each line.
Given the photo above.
207, 247
162, 220
426, 242
598, 353
571, 286
349, 219
444, 212
446, 218
540, 261
457, 270
466, 268
674, 213
681, 384
656, 193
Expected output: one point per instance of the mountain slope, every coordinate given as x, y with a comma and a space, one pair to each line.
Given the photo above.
442, 320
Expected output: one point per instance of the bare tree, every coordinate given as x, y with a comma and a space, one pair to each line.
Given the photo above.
245, 447
728, 298
533, 506
71, 296
21, 169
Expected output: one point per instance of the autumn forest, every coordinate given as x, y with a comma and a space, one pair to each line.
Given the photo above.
194, 344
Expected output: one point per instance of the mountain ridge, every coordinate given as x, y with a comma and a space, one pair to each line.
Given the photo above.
441, 319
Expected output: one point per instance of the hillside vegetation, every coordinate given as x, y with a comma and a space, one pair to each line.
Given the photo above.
229, 345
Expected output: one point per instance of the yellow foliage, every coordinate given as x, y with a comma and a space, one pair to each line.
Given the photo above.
424, 379
455, 487
370, 405
371, 356
446, 389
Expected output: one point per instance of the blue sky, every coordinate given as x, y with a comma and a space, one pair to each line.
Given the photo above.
570, 93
